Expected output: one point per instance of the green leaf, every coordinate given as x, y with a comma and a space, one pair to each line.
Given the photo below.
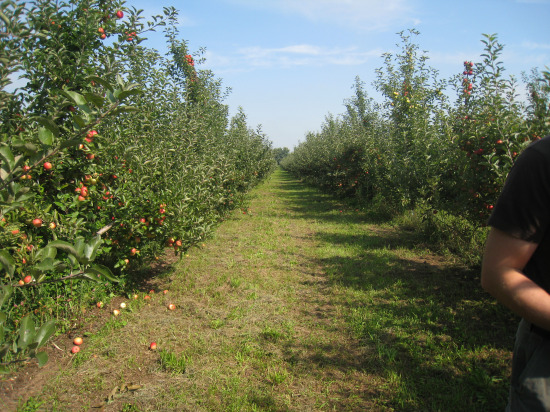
42, 358
65, 247
125, 109
110, 96
7, 263
3, 318
72, 142
80, 122
46, 265
7, 156
91, 248
26, 333
95, 98
5, 19
48, 124
45, 136
5, 293
45, 332
28, 148
101, 81
103, 271
75, 97
91, 276
4, 350
126, 93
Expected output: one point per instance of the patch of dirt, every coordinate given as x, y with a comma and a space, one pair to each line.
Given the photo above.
29, 379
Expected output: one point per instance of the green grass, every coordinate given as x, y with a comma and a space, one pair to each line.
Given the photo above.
303, 303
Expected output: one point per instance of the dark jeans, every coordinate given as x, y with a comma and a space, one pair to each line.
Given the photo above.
530, 386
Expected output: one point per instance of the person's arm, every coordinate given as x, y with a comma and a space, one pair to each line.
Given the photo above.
501, 276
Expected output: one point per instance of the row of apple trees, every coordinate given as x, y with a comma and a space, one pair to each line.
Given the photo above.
418, 150
109, 153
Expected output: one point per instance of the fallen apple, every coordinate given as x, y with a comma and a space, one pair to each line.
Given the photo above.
78, 341
75, 349
153, 346
171, 306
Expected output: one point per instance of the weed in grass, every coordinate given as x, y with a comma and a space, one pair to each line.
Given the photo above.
277, 375
270, 334
235, 282
31, 405
217, 323
171, 362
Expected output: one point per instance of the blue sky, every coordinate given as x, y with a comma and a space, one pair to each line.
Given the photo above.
289, 63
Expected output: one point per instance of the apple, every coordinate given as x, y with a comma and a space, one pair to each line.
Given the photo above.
27, 279
99, 305
48, 166
52, 225
120, 14
78, 341
153, 346
21, 282
101, 30
116, 312
171, 306
136, 296
147, 297
165, 291
75, 349
123, 305
133, 251
37, 222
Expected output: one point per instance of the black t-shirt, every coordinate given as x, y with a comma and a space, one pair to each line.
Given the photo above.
523, 208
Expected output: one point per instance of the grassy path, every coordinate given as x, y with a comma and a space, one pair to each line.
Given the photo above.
297, 304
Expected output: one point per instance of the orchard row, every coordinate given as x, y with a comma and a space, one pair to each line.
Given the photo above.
418, 151
110, 153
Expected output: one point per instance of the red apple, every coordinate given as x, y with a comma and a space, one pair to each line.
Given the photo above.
27, 279
171, 306
120, 14
75, 349
48, 166
99, 305
153, 346
37, 222
78, 341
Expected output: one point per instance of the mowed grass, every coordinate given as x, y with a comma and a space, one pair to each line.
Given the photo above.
298, 303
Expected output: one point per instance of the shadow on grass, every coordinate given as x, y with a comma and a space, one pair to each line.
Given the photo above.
442, 341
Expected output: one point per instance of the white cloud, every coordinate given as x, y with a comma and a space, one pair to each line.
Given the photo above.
250, 58
536, 46
304, 54
361, 14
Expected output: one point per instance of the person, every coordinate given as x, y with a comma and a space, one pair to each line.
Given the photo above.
516, 271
